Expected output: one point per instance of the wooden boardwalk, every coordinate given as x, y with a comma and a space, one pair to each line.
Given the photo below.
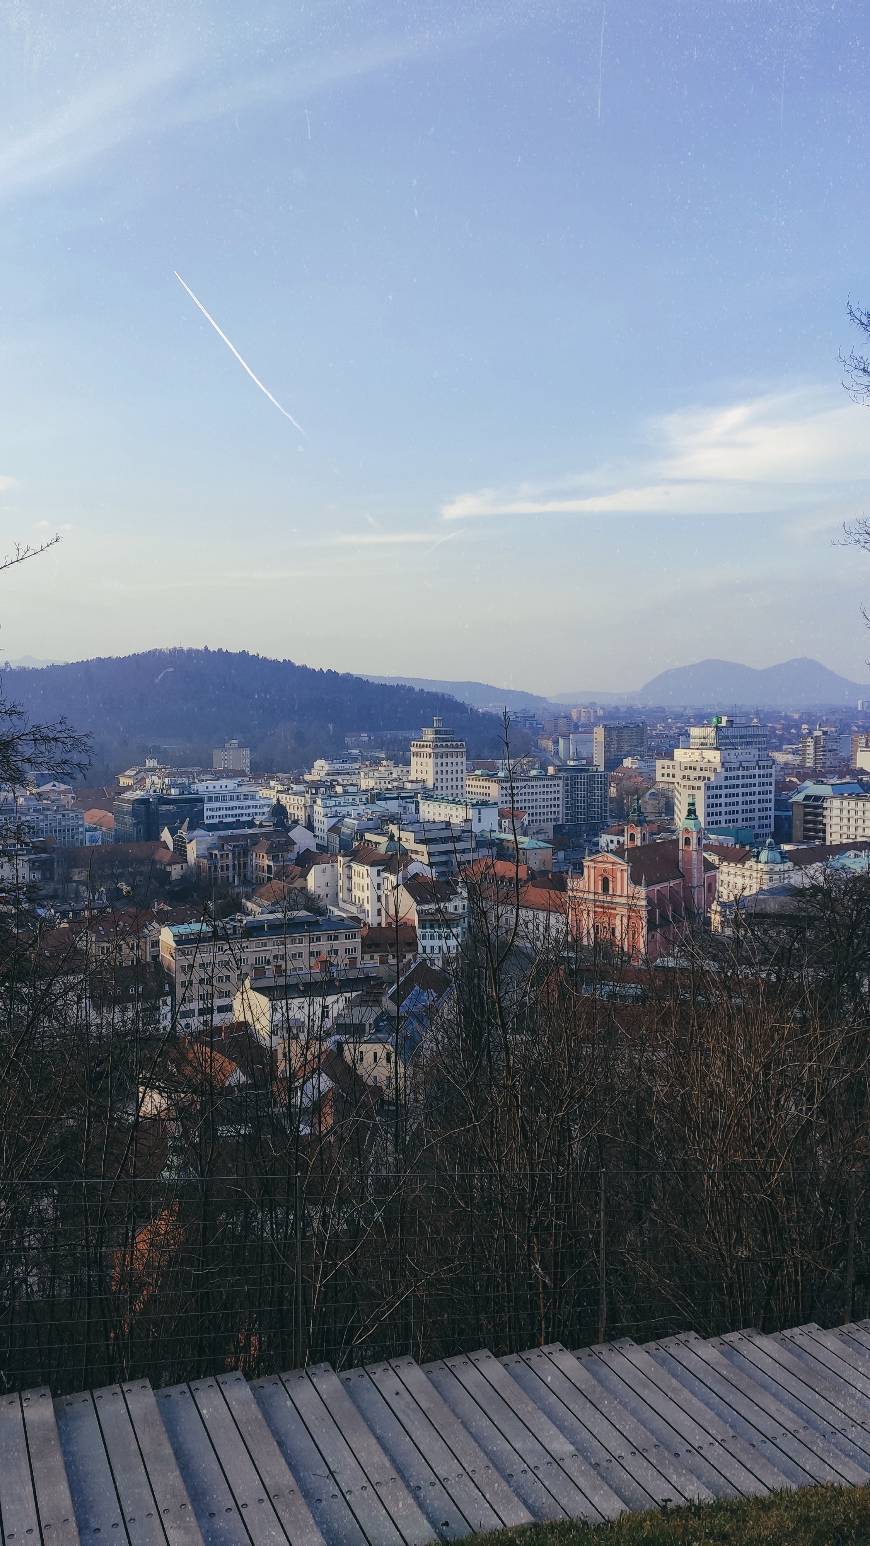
399, 1454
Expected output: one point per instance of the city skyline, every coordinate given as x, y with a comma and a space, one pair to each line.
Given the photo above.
556, 292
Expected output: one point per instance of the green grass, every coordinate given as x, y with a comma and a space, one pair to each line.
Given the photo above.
815, 1516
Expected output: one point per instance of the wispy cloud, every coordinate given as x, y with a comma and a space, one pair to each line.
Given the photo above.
110, 111
180, 87
760, 456
6, 484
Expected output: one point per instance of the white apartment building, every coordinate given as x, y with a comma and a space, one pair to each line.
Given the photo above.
332, 805
296, 1013
540, 795
208, 962
66, 827
442, 847
297, 800
438, 910
233, 801
366, 881
847, 819
322, 879
725, 769
438, 761
332, 767
385, 775
232, 757
480, 815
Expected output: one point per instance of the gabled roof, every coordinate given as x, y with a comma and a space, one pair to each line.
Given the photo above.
375, 858
428, 889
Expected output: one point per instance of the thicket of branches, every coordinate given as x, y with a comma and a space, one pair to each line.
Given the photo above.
576, 1149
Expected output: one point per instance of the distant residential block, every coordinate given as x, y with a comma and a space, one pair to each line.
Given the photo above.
231, 758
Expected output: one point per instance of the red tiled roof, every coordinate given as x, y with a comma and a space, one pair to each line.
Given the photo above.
387, 936
366, 853
100, 818
542, 899
428, 889
728, 853
496, 869
279, 890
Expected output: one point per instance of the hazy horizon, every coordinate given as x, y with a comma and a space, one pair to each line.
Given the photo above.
554, 290
546, 690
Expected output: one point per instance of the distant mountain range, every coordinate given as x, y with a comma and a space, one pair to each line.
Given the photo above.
708, 684
477, 695
799, 683
194, 699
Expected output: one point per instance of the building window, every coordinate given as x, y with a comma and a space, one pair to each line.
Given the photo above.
605, 885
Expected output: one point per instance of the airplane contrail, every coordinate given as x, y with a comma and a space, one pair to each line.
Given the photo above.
233, 350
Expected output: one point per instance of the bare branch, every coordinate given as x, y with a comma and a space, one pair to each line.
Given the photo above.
23, 551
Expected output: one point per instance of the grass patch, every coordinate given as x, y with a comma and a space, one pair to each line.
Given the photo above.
814, 1516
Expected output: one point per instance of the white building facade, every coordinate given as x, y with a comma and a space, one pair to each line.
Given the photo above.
725, 769
540, 795
233, 801
438, 761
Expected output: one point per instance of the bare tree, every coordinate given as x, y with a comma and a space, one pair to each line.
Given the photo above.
856, 364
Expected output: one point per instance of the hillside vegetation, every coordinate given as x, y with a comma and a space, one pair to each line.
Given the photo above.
191, 700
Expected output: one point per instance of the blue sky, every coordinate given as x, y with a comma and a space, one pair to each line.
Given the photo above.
554, 290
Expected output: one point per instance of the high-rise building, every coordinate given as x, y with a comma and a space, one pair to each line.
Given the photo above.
231, 758
438, 761
539, 796
725, 769
584, 798
836, 812
820, 749
611, 744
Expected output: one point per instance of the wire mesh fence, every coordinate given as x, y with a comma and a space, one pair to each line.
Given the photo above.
184, 1277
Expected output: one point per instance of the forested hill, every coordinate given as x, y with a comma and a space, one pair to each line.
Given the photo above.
190, 700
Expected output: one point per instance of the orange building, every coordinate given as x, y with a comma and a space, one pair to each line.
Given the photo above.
643, 898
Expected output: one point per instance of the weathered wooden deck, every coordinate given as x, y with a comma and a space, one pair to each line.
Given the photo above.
399, 1454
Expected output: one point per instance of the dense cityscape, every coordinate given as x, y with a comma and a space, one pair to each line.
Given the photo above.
434, 773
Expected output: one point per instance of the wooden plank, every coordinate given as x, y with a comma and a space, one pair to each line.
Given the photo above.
667, 1425
718, 1438
856, 1337
176, 1509
584, 1478
462, 1465
249, 1494
733, 1392
854, 1343
273, 1470
18, 1512
414, 1466
511, 1462
814, 1409
53, 1497
136, 1499
401, 1505
215, 1507
626, 1472
370, 1511
97, 1506
324, 1497
822, 1351
632, 1433
824, 1394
